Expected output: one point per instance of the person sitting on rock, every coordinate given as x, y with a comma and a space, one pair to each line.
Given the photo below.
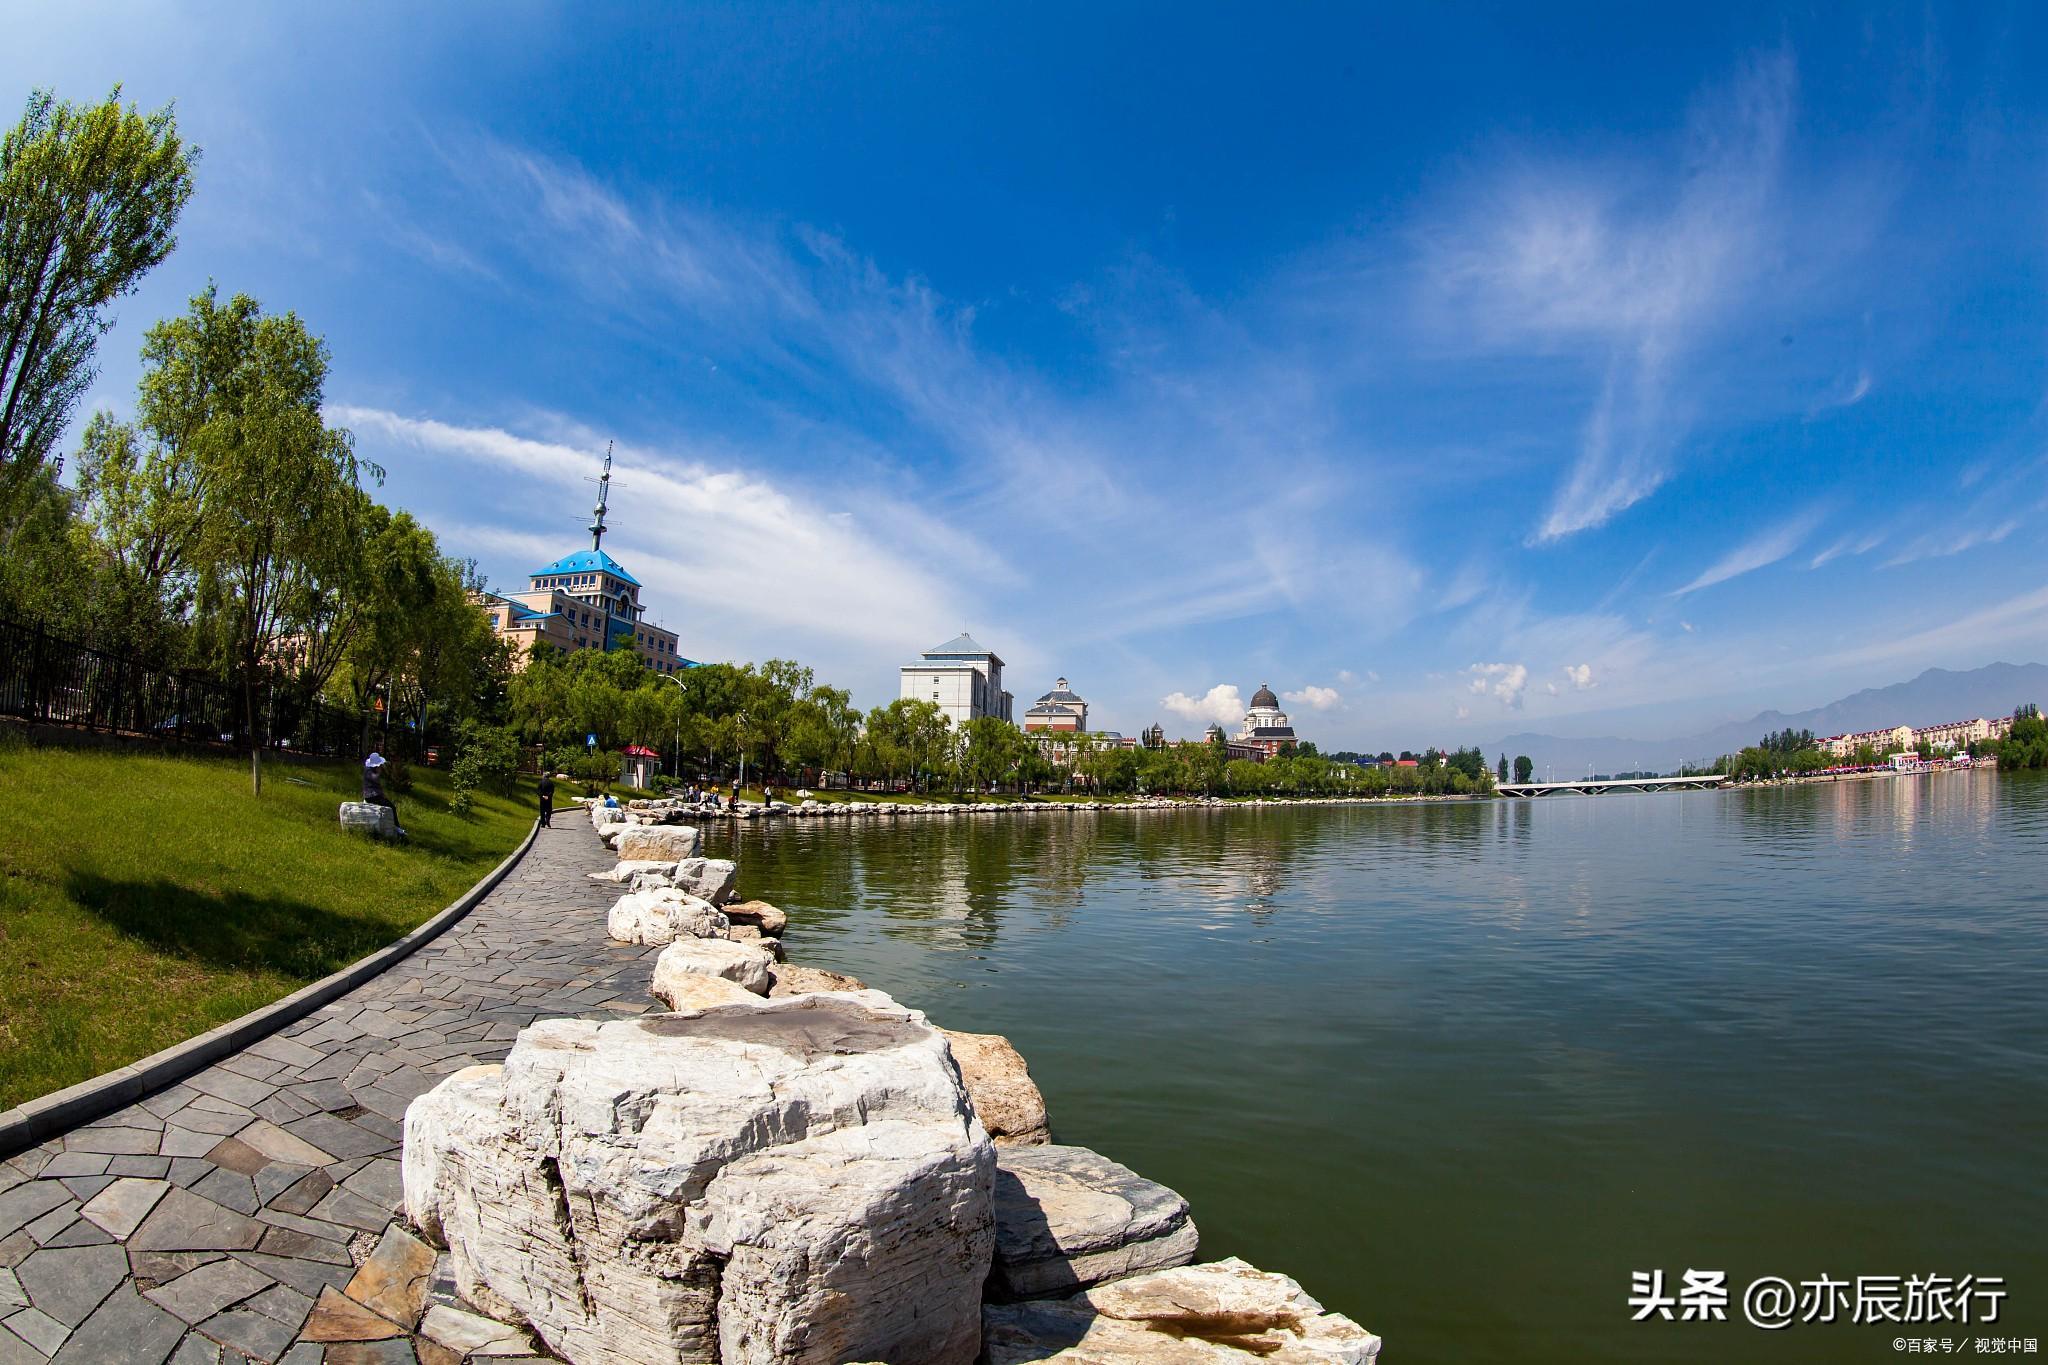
373, 789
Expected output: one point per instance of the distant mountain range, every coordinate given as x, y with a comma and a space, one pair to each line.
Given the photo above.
1935, 696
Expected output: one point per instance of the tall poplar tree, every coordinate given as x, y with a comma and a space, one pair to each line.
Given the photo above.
89, 196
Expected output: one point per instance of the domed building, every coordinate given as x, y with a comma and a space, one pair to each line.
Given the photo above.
1059, 709
1266, 726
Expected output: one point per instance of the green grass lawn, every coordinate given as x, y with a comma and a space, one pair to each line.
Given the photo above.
145, 899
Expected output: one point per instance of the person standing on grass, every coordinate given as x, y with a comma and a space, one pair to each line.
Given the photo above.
373, 788
547, 801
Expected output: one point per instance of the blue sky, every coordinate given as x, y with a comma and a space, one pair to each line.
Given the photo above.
1584, 370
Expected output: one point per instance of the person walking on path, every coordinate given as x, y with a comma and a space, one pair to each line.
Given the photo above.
373, 789
547, 801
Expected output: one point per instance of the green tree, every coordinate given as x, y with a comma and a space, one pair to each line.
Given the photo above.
89, 198
140, 504
1523, 767
1500, 769
2026, 744
277, 487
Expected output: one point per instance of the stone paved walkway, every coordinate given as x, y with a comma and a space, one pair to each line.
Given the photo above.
201, 1225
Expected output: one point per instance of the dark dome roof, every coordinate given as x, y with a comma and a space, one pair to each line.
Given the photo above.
1264, 697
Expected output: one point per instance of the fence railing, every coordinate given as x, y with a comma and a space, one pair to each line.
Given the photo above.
48, 679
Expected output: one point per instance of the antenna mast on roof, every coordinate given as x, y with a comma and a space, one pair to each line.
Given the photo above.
604, 488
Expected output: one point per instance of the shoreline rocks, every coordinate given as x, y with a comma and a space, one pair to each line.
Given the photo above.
743, 964
1192, 1315
790, 1168
659, 843
663, 915
1068, 1219
758, 1183
1001, 1087
657, 811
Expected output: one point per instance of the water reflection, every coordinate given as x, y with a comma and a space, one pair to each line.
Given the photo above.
1462, 1067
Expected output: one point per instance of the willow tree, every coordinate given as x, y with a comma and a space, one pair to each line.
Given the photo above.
237, 393
89, 196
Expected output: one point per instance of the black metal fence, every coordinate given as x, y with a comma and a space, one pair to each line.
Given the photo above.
50, 680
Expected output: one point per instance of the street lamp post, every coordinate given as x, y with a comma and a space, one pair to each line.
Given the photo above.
678, 773
743, 753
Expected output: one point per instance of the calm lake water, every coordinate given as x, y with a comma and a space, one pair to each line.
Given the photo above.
1461, 1069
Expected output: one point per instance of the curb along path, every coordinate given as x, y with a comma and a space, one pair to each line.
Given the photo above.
201, 1224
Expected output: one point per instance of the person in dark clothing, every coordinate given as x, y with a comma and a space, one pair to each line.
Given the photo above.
373, 788
547, 801
735, 793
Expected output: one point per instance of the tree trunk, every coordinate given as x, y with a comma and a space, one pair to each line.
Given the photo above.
255, 739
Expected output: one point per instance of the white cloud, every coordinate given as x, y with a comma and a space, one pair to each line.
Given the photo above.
2021, 620
1313, 697
1626, 271
694, 534
1765, 548
1346, 676
1222, 704
1581, 676
1371, 676
1847, 545
1846, 395
1940, 545
1503, 682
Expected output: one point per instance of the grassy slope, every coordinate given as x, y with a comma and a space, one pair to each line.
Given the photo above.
146, 899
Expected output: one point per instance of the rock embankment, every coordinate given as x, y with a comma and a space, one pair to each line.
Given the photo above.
661, 810
789, 1168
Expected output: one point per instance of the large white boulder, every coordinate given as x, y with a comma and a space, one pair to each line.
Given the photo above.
663, 915
1068, 1218
744, 964
627, 872
659, 843
365, 818
783, 1181
1222, 1313
707, 879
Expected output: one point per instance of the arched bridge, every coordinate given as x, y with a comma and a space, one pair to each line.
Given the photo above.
1594, 787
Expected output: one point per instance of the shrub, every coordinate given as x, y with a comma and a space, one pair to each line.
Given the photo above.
486, 757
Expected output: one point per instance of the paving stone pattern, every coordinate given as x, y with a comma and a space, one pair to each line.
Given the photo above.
204, 1224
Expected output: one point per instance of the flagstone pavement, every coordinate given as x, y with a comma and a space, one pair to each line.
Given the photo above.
202, 1225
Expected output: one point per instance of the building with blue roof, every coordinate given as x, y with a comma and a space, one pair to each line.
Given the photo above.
584, 600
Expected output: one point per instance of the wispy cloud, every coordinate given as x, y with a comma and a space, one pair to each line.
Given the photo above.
1755, 553
1955, 541
744, 558
1626, 269
1861, 543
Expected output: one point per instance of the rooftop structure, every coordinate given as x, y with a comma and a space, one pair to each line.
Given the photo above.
584, 600
1266, 727
1059, 709
962, 677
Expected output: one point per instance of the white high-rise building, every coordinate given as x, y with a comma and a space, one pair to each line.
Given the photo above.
962, 677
